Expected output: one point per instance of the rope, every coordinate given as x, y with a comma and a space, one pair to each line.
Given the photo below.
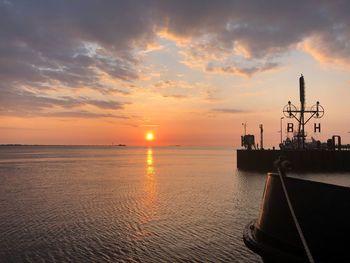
306, 247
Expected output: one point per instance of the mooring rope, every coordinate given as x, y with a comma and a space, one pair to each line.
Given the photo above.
303, 240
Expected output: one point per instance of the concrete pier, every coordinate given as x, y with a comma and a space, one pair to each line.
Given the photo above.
301, 160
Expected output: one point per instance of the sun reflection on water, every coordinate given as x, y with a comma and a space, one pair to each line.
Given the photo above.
150, 169
150, 187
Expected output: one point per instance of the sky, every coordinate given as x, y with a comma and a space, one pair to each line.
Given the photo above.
190, 71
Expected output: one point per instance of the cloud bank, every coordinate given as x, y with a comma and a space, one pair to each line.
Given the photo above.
73, 44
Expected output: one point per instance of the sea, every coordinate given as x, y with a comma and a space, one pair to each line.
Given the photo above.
126, 204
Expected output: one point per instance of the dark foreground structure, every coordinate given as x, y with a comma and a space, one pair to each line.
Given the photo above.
302, 160
323, 212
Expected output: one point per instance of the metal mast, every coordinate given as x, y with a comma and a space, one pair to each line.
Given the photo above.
301, 133
290, 111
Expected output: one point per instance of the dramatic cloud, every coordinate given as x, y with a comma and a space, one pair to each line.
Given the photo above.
84, 114
239, 70
47, 44
241, 37
179, 89
26, 103
230, 111
67, 45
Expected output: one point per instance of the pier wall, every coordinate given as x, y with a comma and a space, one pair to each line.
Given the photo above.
301, 160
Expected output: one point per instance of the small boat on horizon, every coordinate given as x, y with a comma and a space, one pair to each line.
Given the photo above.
119, 145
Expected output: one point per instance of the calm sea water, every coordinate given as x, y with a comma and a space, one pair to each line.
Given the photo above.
125, 204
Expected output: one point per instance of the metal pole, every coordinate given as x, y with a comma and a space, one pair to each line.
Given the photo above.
261, 136
302, 110
281, 130
245, 128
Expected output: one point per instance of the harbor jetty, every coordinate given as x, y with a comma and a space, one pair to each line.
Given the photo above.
305, 155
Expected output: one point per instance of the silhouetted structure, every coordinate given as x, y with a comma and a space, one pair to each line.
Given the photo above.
290, 111
305, 155
322, 215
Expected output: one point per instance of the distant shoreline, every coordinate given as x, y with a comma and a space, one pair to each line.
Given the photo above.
63, 145
111, 146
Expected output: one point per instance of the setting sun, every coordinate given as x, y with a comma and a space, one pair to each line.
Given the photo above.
149, 136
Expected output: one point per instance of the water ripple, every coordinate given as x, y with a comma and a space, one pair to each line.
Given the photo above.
115, 205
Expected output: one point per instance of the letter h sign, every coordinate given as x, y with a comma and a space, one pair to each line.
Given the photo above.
317, 127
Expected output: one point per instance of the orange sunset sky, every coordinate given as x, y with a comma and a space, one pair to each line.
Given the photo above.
103, 72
